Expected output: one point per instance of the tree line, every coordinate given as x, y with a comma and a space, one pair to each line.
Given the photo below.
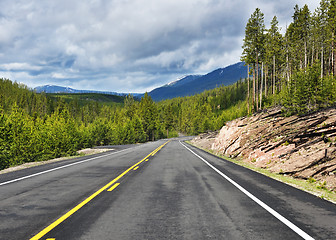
37, 126
295, 69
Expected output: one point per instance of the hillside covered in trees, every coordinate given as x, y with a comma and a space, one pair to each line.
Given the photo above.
37, 126
295, 70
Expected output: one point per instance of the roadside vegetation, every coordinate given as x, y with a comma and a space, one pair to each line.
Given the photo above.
37, 127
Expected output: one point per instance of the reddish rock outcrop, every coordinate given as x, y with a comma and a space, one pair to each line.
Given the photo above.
301, 146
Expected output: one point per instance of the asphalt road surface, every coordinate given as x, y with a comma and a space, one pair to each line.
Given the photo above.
157, 190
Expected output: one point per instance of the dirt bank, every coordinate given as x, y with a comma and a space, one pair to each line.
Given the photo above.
300, 146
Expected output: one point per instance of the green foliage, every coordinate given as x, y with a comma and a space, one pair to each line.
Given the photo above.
207, 111
322, 186
307, 92
36, 127
311, 180
254, 37
82, 99
148, 115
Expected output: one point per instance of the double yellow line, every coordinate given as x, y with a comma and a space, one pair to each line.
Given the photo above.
72, 211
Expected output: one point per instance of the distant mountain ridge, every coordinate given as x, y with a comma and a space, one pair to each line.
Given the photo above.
60, 89
194, 84
182, 81
186, 86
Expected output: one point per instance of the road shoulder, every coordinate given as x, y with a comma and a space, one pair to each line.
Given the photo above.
305, 185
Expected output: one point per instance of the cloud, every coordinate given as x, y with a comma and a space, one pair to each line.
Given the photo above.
18, 67
124, 45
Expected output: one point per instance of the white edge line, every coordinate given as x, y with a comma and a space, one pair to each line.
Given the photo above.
250, 195
54, 169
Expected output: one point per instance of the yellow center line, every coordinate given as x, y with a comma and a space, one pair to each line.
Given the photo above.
113, 187
75, 209
155, 151
136, 168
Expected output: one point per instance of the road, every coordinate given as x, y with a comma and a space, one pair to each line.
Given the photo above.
157, 190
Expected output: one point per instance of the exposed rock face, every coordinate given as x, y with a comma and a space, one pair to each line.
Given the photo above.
301, 146
205, 140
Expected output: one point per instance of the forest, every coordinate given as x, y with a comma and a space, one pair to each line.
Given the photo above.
36, 127
296, 69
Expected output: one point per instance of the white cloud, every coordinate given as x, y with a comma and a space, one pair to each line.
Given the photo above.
18, 67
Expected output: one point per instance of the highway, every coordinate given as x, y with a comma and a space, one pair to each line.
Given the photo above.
157, 190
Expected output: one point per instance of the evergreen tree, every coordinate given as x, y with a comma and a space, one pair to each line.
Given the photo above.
148, 114
253, 48
274, 50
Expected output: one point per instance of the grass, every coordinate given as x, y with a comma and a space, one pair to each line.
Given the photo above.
311, 185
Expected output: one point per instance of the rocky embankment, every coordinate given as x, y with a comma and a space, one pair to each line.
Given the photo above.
300, 146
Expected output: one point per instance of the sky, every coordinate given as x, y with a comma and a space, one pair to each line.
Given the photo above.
125, 45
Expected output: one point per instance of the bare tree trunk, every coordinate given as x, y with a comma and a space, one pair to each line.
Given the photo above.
254, 89
272, 88
290, 71
305, 49
273, 74
334, 60
312, 56
322, 59
248, 89
261, 84
253, 93
266, 71
329, 64
257, 87
287, 60
257, 83
332, 55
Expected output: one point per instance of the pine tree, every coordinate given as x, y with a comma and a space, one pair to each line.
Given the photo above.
274, 50
297, 35
168, 118
253, 48
321, 33
305, 25
148, 115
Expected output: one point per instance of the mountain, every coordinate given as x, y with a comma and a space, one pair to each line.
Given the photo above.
193, 84
59, 89
182, 81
